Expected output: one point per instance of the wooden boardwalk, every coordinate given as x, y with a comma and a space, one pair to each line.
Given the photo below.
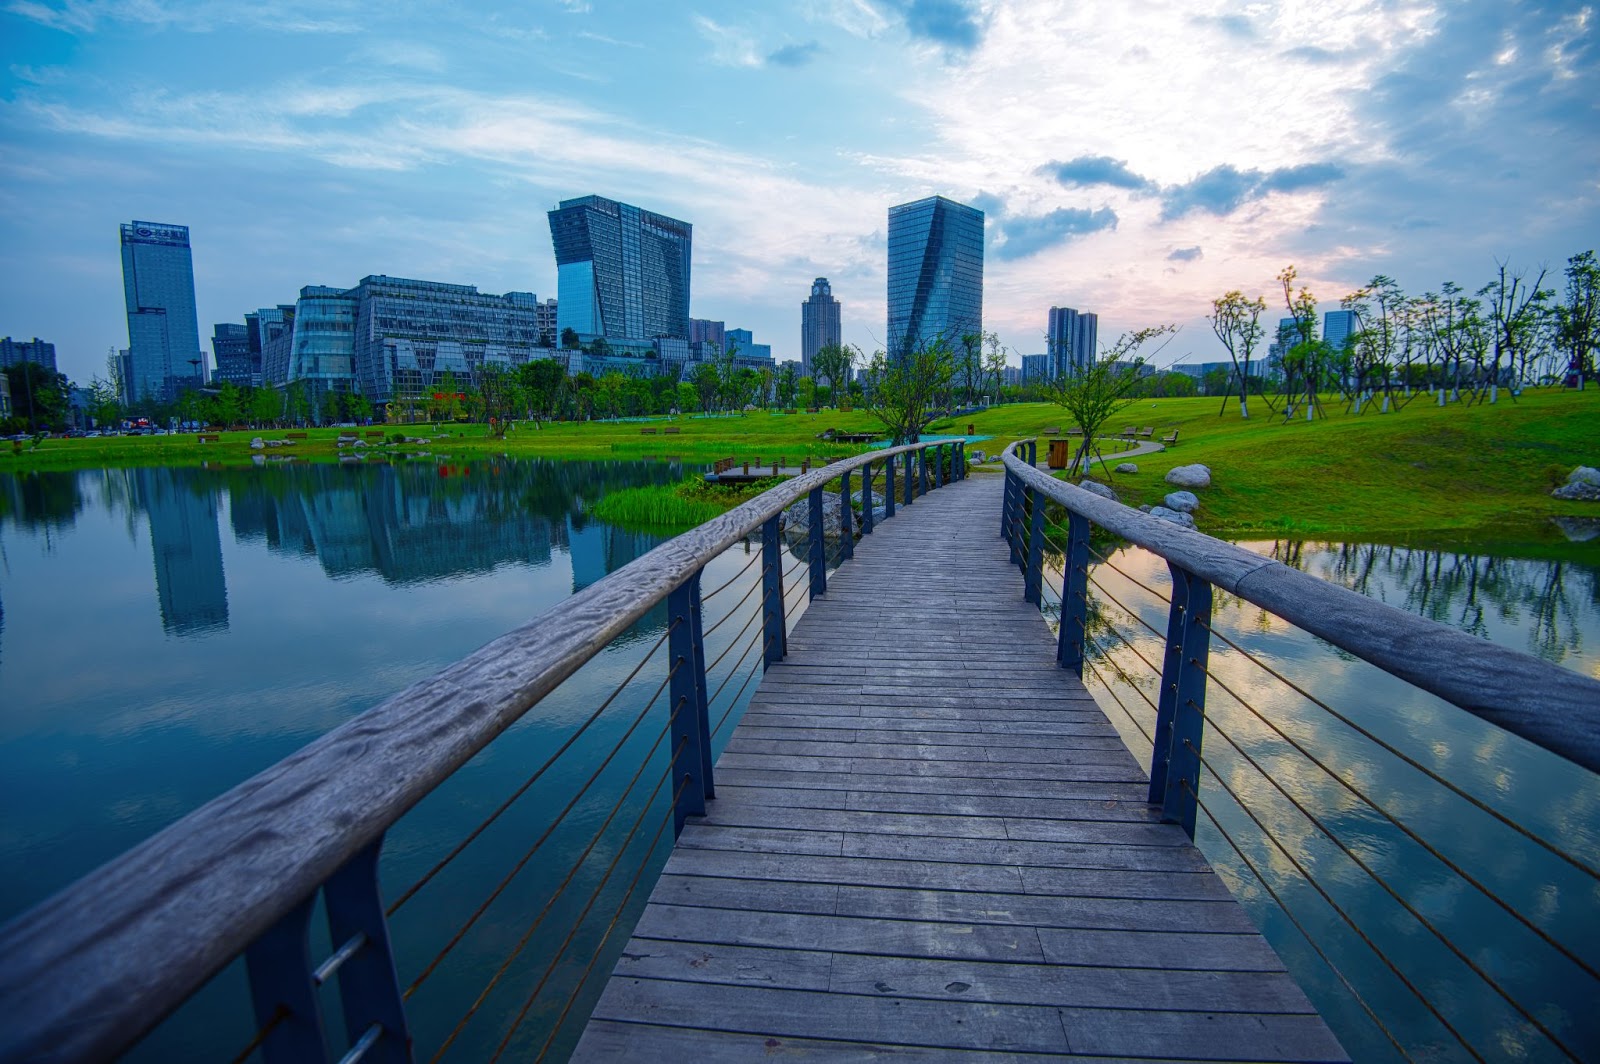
929, 844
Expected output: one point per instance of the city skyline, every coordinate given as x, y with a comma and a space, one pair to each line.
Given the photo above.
432, 145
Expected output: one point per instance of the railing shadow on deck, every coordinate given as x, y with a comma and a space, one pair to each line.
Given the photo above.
1444, 954
254, 873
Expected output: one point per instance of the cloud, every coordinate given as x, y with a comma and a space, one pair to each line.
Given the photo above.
1089, 170
795, 55
729, 46
1185, 254
86, 16
1024, 235
1224, 189
951, 23
1310, 53
1239, 27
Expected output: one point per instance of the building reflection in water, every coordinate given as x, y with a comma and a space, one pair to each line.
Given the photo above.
182, 511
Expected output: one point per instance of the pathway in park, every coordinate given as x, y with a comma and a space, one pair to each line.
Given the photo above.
928, 840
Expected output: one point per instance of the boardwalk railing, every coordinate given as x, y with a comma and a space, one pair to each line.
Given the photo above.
87, 973
1481, 930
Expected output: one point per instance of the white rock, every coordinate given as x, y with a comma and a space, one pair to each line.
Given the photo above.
1144, 507
1097, 488
1126, 467
1584, 475
1182, 501
258, 444
1173, 516
1189, 476
976, 457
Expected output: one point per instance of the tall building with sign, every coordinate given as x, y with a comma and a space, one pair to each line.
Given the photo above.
622, 273
164, 354
935, 273
819, 323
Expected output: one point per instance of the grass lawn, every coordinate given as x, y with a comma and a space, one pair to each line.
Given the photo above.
1423, 475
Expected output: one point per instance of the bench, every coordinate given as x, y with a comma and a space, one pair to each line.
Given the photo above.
1172, 439
294, 435
670, 430
1074, 431
647, 432
1146, 433
208, 437
374, 435
1050, 430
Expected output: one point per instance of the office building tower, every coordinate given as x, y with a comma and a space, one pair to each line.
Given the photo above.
1338, 327
706, 331
1035, 369
409, 334
274, 331
746, 352
1073, 339
230, 353
16, 352
163, 333
819, 323
935, 273
622, 273
549, 334
5, 396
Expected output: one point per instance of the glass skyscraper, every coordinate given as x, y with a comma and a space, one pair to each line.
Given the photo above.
935, 273
1338, 326
1073, 339
819, 323
164, 353
622, 273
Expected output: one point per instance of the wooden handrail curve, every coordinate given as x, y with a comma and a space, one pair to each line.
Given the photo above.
1552, 707
87, 972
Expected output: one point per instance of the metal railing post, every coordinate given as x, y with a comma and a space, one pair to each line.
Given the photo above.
776, 638
961, 459
938, 466
1005, 505
866, 499
1074, 595
819, 557
1014, 521
283, 990
922, 471
847, 539
1033, 452
1180, 712
911, 475
888, 488
691, 726
1033, 573
369, 988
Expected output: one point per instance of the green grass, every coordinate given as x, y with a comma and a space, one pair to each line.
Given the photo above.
676, 506
1423, 475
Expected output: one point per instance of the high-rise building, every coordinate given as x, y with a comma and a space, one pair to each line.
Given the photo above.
1338, 326
622, 273
1073, 340
746, 352
935, 273
819, 323
1035, 369
164, 353
230, 350
16, 352
706, 331
549, 334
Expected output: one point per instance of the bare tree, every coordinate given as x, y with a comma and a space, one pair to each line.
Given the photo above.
1516, 310
994, 361
1237, 323
1578, 317
1096, 393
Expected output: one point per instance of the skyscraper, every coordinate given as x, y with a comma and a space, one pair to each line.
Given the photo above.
16, 352
230, 348
819, 323
1073, 340
622, 273
164, 353
1338, 326
935, 273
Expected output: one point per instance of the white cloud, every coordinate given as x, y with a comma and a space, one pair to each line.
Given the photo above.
729, 46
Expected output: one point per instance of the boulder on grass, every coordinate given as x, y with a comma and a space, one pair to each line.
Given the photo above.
1184, 502
258, 444
1096, 488
1189, 476
1175, 516
1126, 467
1583, 484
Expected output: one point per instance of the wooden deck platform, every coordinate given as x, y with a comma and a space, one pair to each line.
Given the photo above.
929, 844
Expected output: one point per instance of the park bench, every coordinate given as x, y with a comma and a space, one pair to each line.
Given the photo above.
647, 432
791, 410
208, 437
1171, 440
1129, 431
1146, 433
1050, 430
376, 434
670, 430
294, 435
813, 409
1074, 431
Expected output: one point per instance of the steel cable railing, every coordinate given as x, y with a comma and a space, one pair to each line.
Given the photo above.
1549, 924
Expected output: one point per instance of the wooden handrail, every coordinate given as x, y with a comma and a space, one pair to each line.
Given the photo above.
91, 969
1550, 706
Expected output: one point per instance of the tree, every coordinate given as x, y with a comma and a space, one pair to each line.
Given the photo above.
501, 396
296, 404
1237, 323
969, 370
608, 392
1094, 394
787, 384
1578, 317
687, 398
265, 405
104, 405
994, 362
835, 363
807, 387
570, 340
541, 380
1516, 311
905, 389
358, 407
707, 383
38, 395
1303, 361
228, 406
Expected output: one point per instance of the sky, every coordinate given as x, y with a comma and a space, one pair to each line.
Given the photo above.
1132, 159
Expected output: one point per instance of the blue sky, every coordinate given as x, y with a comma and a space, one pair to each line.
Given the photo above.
1132, 159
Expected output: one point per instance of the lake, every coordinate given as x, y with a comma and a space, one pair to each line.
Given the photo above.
166, 633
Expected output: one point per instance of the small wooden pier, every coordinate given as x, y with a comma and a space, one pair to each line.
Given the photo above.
928, 842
